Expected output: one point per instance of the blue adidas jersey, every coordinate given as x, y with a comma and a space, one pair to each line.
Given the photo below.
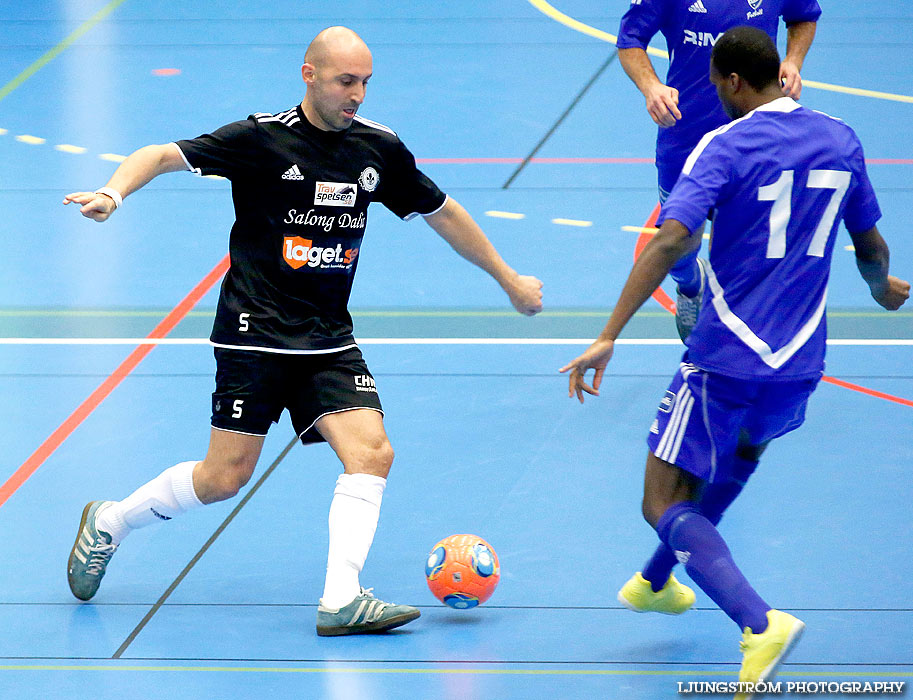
691, 28
780, 179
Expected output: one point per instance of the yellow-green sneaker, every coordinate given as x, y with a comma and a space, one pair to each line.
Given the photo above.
763, 652
638, 595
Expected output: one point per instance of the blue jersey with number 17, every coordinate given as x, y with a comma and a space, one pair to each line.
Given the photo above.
780, 179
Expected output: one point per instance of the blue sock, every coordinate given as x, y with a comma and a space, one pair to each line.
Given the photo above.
686, 274
684, 529
658, 569
716, 498
714, 502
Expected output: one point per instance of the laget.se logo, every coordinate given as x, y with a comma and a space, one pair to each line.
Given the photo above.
298, 252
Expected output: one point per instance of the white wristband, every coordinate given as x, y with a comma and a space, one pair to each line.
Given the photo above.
113, 194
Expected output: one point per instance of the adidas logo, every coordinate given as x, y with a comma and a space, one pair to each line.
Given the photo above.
292, 174
682, 557
698, 7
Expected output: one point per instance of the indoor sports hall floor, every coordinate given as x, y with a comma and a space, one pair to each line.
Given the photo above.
520, 110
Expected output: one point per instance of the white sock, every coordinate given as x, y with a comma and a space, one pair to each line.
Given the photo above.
353, 520
167, 495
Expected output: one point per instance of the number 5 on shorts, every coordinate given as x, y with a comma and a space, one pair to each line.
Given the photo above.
237, 406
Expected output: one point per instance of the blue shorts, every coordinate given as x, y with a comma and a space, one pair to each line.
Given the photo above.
668, 168
702, 415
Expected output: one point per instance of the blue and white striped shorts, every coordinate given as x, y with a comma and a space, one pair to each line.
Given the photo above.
702, 414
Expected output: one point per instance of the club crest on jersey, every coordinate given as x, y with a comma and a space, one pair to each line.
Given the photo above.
335, 194
368, 179
755, 11
755, 4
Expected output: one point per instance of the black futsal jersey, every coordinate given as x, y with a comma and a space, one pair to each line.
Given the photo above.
301, 199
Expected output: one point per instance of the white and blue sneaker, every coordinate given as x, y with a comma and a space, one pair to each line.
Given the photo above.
687, 308
90, 554
364, 615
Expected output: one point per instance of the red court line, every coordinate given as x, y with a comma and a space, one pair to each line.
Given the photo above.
660, 296
165, 326
515, 161
593, 160
470, 161
867, 391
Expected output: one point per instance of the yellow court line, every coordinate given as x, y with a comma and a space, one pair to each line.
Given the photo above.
457, 671
60, 48
857, 91
572, 222
505, 214
30, 140
546, 9
579, 26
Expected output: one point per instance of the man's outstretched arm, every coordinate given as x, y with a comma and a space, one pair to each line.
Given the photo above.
454, 224
139, 168
671, 242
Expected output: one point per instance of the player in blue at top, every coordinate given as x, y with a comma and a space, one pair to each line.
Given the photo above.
686, 106
780, 179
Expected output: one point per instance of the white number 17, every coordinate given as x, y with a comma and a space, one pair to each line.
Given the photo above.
780, 193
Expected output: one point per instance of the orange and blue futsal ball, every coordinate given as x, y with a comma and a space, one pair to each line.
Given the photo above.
462, 571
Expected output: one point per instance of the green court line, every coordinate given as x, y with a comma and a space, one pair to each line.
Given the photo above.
408, 313
60, 48
456, 671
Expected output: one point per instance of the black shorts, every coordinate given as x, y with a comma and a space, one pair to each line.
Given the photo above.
253, 388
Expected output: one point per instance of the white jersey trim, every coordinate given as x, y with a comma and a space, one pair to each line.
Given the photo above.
781, 104
238, 432
772, 359
339, 410
705, 414
671, 441
282, 351
409, 217
195, 171
373, 124
289, 117
829, 116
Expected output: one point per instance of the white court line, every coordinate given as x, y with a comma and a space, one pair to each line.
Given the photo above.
426, 341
